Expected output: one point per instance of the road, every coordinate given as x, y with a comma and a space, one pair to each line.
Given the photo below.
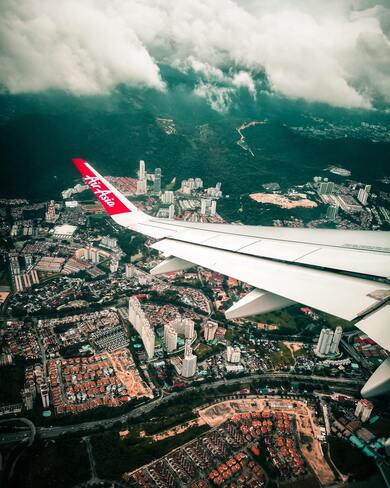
143, 409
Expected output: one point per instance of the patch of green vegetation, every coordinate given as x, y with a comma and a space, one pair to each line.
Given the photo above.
381, 427
283, 357
204, 351
284, 319
350, 460
332, 321
55, 464
131, 452
11, 381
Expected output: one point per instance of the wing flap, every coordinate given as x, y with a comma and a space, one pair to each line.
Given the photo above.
377, 326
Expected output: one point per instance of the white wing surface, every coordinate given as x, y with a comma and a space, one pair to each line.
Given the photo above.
344, 273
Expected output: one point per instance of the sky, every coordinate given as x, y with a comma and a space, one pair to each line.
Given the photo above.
335, 51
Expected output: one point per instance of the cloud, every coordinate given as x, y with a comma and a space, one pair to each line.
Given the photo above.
334, 52
70, 45
218, 97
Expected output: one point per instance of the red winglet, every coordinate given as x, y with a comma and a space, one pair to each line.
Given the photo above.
110, 201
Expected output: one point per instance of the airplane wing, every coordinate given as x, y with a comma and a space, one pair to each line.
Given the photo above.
343, 273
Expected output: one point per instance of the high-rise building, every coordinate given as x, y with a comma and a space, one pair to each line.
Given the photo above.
209, 330
141, 324
328, 342
50, 215
168, 197
218, 186
28, 399
189, 361
233, 354
45, 395
332, 212
325, 341
367, 188
171, 211
213, 208
114, 265
363, 409
141, 171
334, 347
170, 337
142, 187
326, 188
129, 270
363, 196
157, 181
204, 203
183, 327
198, 183
110, 242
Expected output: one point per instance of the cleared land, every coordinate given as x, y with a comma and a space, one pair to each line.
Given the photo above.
307, 428
282, 201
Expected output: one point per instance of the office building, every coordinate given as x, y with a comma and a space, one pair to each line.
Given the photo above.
233, 354
141, 324
189, 361
209, 330
171, 211
363, 409
332, 212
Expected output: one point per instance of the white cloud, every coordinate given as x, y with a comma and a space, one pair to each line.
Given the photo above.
334, 52
244, 79
218, 97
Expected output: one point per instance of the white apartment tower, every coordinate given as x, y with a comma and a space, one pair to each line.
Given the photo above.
209, 330
204, 203
177, 327
129, 270
334, 347
170, 338
363, 409
213, 208
233, 354
189, 361
171, 211
141, 324
45, 395
325, 341
141, 172
168, 197
328, 343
